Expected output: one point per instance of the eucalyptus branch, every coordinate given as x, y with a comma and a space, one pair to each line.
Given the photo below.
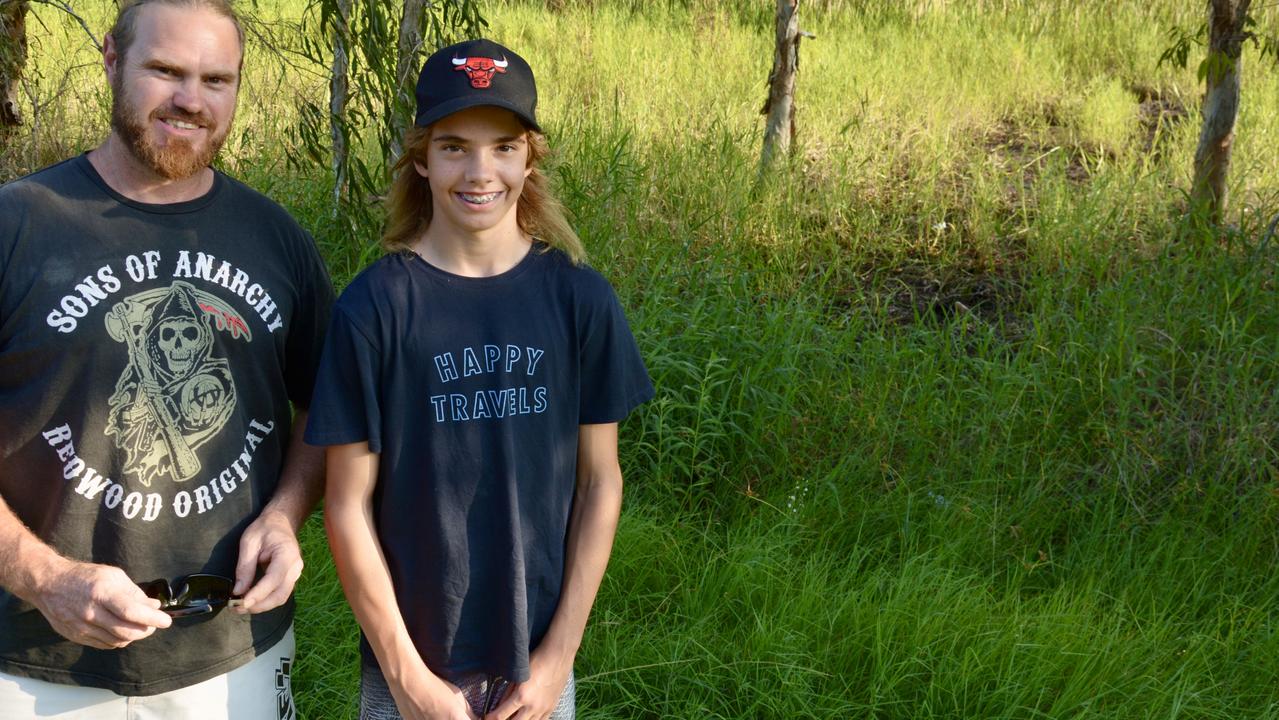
66, 8
264, 35
374, 51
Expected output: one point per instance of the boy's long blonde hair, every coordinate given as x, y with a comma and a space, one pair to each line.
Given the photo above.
538, 212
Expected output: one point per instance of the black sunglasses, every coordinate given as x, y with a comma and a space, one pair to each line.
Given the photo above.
191, 595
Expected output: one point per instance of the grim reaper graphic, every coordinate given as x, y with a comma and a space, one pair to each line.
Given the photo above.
173, 395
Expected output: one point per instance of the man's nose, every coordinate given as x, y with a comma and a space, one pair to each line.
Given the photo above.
189, 95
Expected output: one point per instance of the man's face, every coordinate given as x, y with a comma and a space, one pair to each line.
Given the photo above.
174, 92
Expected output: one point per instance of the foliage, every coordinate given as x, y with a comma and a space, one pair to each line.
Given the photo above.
959, 419
1216, 64
366, 29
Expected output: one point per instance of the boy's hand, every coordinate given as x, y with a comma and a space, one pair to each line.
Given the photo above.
426, 697
536, 698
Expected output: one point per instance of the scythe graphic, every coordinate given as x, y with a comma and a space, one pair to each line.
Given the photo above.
185, 462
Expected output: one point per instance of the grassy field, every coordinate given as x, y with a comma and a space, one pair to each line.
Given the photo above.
956, 416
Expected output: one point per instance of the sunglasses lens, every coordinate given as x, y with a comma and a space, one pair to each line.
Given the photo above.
158, 589
206, 590
195, 594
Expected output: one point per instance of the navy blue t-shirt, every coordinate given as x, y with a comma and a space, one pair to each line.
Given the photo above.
472, 390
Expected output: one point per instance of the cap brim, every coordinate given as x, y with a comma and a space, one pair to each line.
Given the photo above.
444, 109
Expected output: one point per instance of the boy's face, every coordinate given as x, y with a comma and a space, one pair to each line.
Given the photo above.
476, 164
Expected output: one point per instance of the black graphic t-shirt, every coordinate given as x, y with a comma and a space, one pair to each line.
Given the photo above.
148, 357
472, 390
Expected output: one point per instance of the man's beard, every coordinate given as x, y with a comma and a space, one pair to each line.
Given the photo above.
178, 160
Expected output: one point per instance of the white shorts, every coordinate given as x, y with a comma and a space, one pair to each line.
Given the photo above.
259, 690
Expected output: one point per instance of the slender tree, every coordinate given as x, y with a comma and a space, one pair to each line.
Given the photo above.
409, 49
1227, 23
339, 95
779, 128
13, 58
1230, 26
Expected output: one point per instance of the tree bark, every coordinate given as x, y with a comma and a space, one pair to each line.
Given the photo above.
339, 94
406, 69
779, 129
13, 58
1226, 33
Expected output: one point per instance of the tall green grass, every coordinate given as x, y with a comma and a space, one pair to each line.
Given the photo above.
957, 417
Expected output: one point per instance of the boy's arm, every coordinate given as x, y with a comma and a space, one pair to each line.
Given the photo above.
596, 507
366, 580
271, 540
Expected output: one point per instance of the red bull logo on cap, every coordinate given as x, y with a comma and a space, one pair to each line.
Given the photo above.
480, 69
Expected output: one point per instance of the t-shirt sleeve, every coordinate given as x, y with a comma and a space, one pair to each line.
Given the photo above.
345, 407
306, 333
614, 379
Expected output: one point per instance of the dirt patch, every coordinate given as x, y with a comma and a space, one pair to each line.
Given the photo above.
1023, 152
917, 295
1158, 111
963, 298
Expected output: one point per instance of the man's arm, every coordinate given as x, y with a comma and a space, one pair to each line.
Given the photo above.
87, 603
271, 539
366, 580
596, 507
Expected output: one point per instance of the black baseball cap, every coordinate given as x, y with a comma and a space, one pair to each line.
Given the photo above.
471, 73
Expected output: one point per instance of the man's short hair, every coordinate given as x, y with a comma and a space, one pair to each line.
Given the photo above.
126, 22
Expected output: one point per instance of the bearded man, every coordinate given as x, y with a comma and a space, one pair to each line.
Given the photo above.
160, 326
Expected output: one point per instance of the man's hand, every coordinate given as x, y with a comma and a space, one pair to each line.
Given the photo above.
424, 696
97, 605
536, 698
270, 541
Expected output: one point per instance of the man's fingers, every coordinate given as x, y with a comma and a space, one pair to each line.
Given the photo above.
128, 632
139, 613
276, 584
99, 606
115, 628
98, 636
247, 565
266, 595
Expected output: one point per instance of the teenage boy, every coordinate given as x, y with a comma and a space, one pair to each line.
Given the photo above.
470, 394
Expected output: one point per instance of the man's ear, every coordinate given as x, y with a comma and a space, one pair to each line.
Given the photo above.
109, 57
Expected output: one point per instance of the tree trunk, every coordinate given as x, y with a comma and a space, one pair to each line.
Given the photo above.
406, 69
13, 58
1226, 34
339, 93
779, 129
